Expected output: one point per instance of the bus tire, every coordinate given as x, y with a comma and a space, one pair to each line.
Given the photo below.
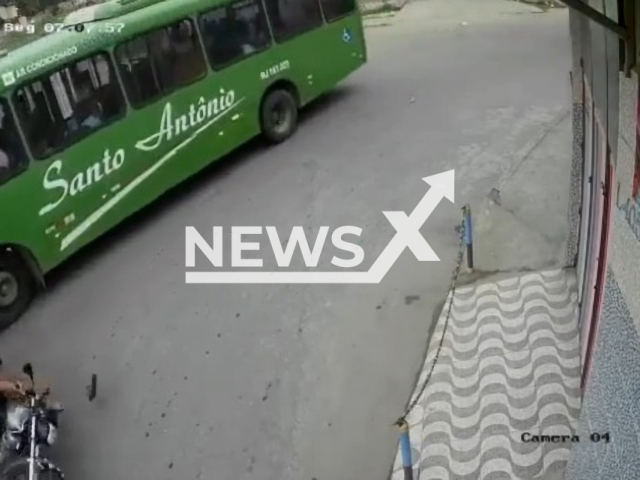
279, 116
17, 288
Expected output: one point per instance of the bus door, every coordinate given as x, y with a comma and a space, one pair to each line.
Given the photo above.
77, 160
298, 31
343, 40
15, 191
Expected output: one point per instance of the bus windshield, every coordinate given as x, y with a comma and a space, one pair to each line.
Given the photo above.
12, 155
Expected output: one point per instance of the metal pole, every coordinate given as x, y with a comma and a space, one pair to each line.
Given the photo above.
468, 234
405, 448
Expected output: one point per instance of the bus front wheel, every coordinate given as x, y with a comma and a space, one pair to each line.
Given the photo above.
279, 116
17, 288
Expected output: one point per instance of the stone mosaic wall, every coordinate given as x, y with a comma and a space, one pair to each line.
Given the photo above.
612, 396
612, 399
575, 195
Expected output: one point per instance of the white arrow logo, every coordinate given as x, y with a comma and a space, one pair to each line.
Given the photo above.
407, 236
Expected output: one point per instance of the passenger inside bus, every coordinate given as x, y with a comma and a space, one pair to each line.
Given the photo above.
229, 36
188, 62
91, 113
137, 70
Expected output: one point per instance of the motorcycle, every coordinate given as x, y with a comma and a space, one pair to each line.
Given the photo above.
31, 424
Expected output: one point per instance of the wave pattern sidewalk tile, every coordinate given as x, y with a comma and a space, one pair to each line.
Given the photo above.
510, 364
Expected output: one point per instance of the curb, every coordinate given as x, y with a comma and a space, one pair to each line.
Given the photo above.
378, 25
543, 4
376, 7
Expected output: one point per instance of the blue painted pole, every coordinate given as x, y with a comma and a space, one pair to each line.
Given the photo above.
468, 235
405, 448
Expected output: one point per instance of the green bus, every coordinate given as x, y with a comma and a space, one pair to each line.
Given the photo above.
128, 98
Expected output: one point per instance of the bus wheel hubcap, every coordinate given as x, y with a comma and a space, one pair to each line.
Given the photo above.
279, 116
8, 289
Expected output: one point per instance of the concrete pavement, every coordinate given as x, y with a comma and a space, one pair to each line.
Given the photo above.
510, 364
523, 224
296, 382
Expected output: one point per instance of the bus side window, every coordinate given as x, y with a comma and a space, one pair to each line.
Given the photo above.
335, 9
290, 18
68, 105
177, 55
160, 61
138, 74
13, 158
234, 32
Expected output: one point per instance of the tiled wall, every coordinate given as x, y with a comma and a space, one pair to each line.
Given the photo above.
627, 136
575, 186
612, 400
624, 250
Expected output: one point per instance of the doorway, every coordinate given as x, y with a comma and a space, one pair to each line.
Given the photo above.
597, 203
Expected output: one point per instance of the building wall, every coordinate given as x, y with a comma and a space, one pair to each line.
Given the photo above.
575, 192
611, 402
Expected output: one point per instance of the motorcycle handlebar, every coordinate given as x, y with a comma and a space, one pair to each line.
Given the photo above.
32, 393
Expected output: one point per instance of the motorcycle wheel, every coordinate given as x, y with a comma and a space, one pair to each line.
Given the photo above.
19, 470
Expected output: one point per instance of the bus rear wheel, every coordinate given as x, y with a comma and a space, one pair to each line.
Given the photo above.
17, 288
279, 116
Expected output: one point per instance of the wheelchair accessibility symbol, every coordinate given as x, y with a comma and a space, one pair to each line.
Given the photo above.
346, 35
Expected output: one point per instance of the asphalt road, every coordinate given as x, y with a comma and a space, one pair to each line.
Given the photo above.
302, 381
